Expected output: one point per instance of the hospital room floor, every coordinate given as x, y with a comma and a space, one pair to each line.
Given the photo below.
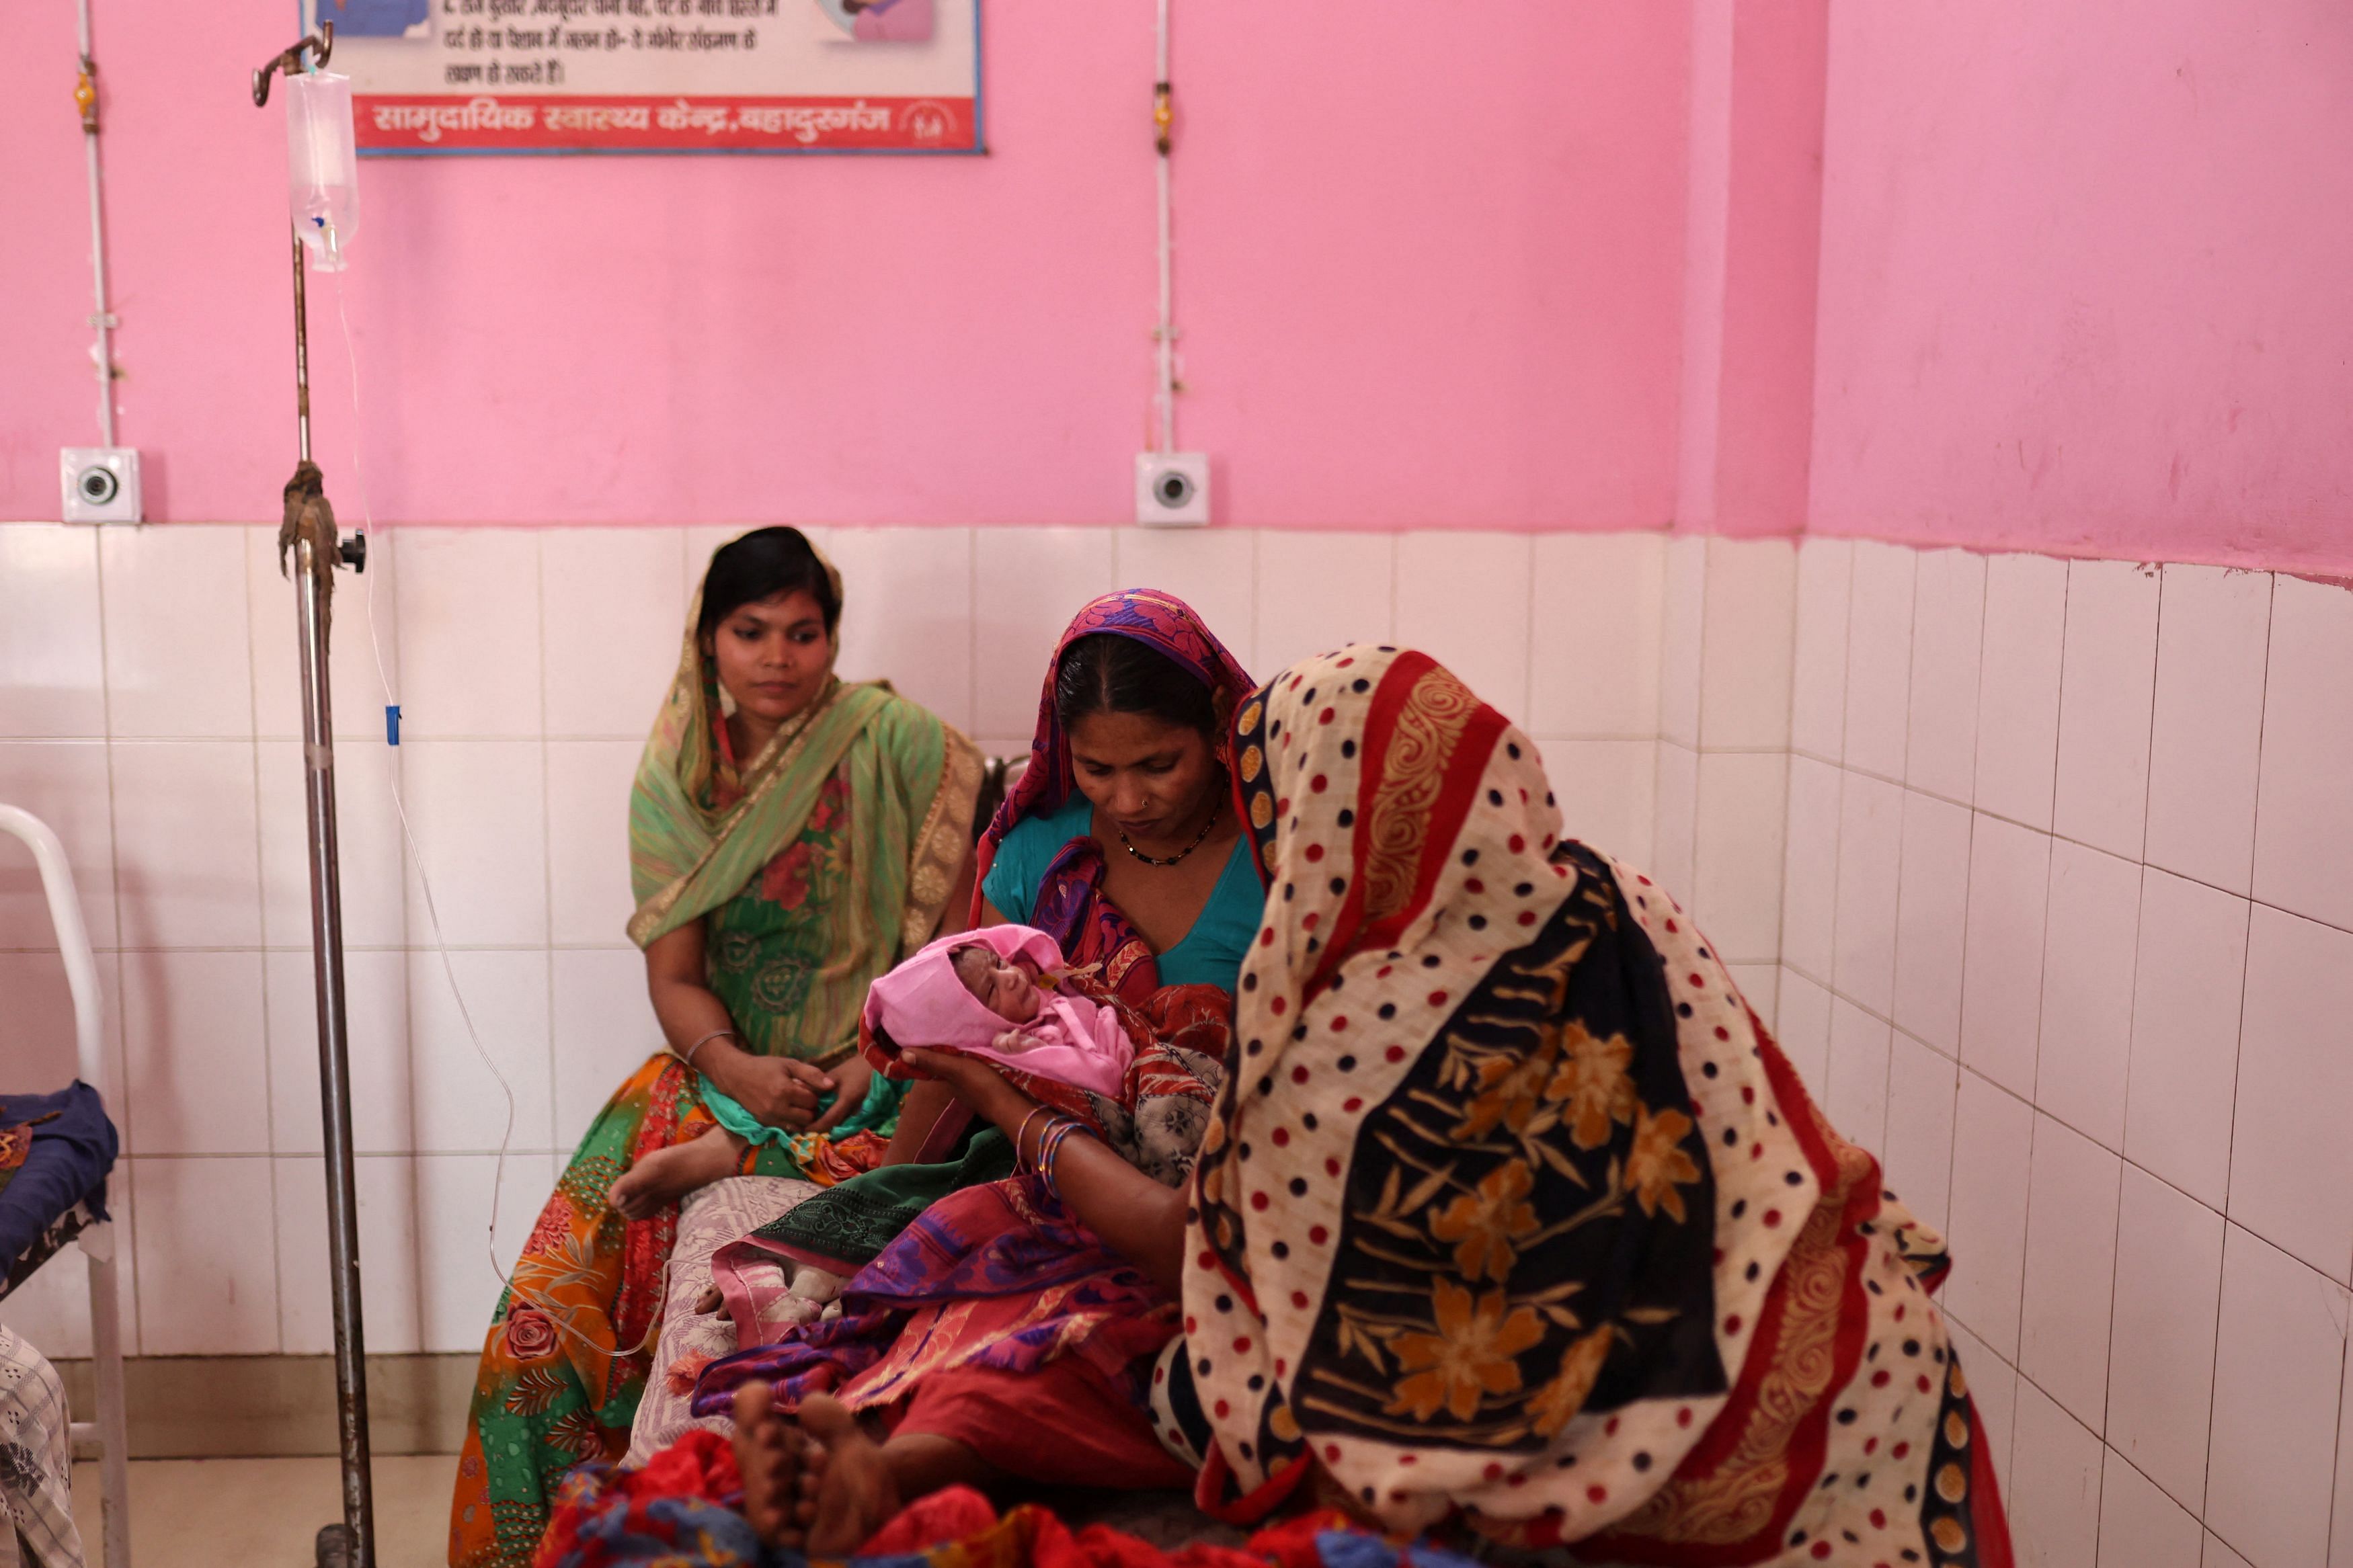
266, 1513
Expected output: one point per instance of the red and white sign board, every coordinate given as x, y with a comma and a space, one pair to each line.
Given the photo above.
659, 75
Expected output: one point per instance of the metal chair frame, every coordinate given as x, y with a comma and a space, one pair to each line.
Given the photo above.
108, 1436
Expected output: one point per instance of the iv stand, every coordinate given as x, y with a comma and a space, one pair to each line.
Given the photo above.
308, 535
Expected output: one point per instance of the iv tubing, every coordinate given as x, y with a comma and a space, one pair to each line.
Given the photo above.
1166, 395
103, 320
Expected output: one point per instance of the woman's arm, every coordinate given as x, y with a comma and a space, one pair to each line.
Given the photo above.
1136, 1216
779, 1091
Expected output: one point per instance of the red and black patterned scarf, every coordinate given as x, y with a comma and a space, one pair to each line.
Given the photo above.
1510, 1205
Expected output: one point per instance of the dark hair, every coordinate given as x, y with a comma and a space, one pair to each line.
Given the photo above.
760, 565
1107, 673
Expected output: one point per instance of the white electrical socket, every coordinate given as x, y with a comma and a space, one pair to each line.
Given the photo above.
101, 483
1172, 488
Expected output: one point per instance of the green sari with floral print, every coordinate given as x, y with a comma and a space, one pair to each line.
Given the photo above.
814, 866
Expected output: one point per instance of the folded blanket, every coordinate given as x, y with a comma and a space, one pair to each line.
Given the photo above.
55, 1152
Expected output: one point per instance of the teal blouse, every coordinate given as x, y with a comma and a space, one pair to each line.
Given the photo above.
1211, 952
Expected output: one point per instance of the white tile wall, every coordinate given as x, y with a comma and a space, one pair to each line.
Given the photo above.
2001, 977
149, 712
1947, 620
2304, 835
1931, 919
1922, 1085
2071, 1248
2169, 1280
2093, 919
66, 784
614, 604
1736, 889
1683, 622
1460, 599
1879, 659
1215, 571
1597, 591
2107, 682
2206, 740
1856, 1096
1014, 570
1817, 655
2018, 687
1746, 641
1316, 592
2121, 899
2291, 1163
50, 639
2054, 1492
908, 612
2278, 1369
178, 649
1871, 847
2077, 1050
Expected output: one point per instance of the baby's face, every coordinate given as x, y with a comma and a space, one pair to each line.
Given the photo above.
1007, 988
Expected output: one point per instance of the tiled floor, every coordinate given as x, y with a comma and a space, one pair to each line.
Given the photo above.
202, 1513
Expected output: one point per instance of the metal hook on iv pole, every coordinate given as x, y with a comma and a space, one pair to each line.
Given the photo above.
322, 45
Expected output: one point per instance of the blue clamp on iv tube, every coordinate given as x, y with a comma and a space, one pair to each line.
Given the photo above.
392, 723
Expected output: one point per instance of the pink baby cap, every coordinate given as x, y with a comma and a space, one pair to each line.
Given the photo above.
923, 1004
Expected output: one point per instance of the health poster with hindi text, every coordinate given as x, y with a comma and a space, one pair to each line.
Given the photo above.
659, 75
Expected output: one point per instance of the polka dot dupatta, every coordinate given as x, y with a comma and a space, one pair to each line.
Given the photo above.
1512, 1206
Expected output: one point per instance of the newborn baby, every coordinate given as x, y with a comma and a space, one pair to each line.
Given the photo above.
962, 992
1007, 987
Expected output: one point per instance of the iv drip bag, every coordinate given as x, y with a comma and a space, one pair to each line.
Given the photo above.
323, 172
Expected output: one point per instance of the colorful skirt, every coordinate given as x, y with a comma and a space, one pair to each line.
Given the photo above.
562, 1370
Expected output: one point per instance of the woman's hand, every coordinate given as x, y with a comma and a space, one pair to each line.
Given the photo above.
778, 1091
851, 1079
978, 1085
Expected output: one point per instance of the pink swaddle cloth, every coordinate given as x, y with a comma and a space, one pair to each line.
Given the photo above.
923, 1004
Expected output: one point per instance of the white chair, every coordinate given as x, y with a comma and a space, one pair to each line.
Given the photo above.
106, 1437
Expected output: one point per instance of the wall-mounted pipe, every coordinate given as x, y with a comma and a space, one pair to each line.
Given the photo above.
103, 320
1163, 120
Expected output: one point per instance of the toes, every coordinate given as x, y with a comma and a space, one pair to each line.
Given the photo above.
754, 1402
826, 1418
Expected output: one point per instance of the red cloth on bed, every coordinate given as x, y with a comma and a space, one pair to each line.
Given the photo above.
1064, 1424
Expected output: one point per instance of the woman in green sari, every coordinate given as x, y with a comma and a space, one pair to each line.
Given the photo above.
791, 836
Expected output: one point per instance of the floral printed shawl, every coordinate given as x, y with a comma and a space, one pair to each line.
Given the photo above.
1512, 1204
998, 1275
701, 830
1071, 908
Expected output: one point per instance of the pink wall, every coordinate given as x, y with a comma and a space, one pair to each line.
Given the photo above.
1429, 275
2084, 280
1755, 194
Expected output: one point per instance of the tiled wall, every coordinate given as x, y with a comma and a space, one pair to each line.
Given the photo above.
2045, 871
2066, 931
149, 711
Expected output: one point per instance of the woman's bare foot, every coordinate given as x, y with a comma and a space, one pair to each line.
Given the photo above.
774, 1456
855, 1492
667, 1175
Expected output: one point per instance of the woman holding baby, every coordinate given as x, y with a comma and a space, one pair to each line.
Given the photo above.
793, 836
1510, 1214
